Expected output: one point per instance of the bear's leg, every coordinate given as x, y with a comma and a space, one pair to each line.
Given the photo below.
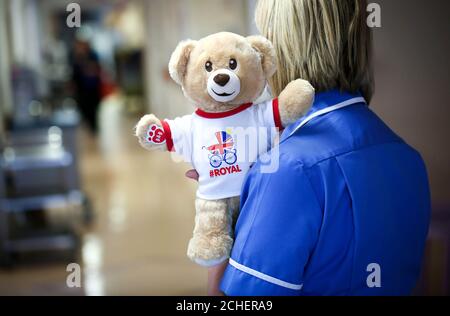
233, 204
213, 233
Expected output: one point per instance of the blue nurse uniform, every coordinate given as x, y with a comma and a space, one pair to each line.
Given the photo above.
346, 213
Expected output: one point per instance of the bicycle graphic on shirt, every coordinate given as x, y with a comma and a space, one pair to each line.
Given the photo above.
223, 151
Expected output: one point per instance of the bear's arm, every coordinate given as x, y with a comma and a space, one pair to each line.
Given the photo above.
295, 101
152, 135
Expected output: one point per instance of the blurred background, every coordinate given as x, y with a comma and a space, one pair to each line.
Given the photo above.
76, 187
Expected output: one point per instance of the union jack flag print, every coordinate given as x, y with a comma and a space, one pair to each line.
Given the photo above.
225, 141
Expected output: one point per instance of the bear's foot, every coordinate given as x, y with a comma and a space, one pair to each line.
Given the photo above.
209, 251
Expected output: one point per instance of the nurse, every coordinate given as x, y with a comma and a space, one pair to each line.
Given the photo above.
348, 209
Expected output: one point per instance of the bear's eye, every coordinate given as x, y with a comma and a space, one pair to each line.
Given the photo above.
208, 66
233, 64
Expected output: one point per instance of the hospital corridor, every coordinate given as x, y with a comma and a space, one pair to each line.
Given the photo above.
86, 211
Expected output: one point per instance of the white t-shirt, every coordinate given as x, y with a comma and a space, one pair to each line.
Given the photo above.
223, 146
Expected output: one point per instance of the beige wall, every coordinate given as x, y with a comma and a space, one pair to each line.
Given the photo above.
413, 81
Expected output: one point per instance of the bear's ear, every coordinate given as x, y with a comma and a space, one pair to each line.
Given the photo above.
179, 60
265, 48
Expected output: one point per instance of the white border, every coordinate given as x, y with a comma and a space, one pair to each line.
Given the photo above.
265, 277
328, 110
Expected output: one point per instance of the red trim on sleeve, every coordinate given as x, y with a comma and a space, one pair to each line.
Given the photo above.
276, 114
168, 132
219, 115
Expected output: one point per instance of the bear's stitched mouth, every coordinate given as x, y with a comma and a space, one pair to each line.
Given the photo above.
222, 94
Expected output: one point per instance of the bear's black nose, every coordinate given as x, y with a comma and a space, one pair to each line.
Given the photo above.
222, 79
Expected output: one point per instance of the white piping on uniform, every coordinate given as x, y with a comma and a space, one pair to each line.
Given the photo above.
265, 277
328, 110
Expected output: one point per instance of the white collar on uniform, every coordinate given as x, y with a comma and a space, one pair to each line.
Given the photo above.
328, 110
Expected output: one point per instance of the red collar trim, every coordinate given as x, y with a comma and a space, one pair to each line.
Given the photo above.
219, 115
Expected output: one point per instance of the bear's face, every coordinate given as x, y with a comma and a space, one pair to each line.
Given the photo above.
224, 70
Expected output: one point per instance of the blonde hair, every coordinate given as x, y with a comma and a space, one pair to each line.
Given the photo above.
326, 42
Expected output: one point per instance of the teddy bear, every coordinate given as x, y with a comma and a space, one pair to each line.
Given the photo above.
222, 75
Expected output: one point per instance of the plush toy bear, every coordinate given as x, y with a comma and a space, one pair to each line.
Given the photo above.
222, 75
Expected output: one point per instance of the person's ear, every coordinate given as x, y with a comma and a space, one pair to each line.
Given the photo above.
179, 60
267, 52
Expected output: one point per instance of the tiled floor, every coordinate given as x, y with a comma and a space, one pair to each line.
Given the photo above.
144, 219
